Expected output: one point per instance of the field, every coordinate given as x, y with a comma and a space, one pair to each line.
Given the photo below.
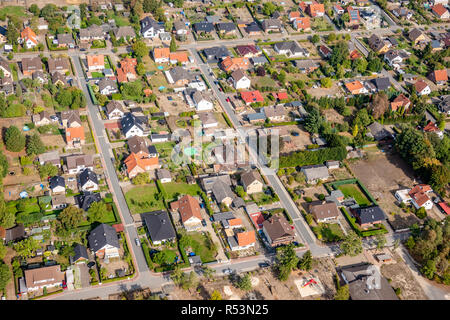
142, 199
353, 191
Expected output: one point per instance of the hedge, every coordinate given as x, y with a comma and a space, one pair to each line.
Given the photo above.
147, 255
359, 232
286, 123
351, 181
306, 157
227, 120
206, 201
92, 94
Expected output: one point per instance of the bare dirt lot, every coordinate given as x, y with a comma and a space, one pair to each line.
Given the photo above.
266, 286
333, 116
383, 174
297, 143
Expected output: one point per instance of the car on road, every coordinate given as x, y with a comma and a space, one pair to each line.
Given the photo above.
204, 223
220, 89
227, 271
64, 284
228, 99
138, 243
264, 264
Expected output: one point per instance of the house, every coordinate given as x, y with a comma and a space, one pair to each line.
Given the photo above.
278, 231
250, 97
338, 9
135, 164
335, 196
208, 182
332, 165
125, 32
178, 76
201, 102
28, 38
178, 57
3, 34
422, 88
275, 113
163, 175
94, 32
256, 117
114, 110
379, 131
248, 51
159, 226
150, 28
324, 212
65, 40
58, 79
302, 24
30, 65
325, 51
393, 57
444, 104
306, 66
180, 28
316, 9
401, 101
258, 61
189, 210
226, 28
39, 76
271, 25
41, 119
440, 11
242, 240
95, 62
203, 27
127, 70
439, 76
315, 173
59, 201
88, 180
106, 86
43, 277
75, 137
253, 29
78, 163
378, 45
402, 13
103, 242
215, 54
432, 127
80, 254
415, 35
290, 49
255, 215
353, 15
208, 120
161, 55
369, 216
230, 64
355, 87
70, 118
366, 283
139, 146
239, 80
382, 83
293, 15
4, 67
223, 193
252, 182
61, 65
57, 184
51, 157
354, 55
155, 138
87, 198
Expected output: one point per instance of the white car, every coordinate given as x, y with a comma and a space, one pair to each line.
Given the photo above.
138, 243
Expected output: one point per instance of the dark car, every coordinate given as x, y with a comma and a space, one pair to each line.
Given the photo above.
204, 223
295, 133
91, 264
263, 265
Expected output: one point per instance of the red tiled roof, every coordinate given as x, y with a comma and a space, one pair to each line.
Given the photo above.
280, 95
431, 127
418, 193
444, 207
246, 238
420, 85
440, 75
257, 219
118, 227
74, 133
188, 207
439, 9
252, 96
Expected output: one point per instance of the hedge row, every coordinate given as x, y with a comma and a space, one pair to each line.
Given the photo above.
352, 181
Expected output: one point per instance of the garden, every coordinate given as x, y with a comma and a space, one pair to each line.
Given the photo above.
328, 232
144, 199
200, 244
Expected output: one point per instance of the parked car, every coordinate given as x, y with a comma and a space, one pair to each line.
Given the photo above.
263, 264
138, 243
204, 223
228, 99
227, 271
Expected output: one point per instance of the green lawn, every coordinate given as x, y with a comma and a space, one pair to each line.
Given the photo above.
352, 190
173, 189
121, 22
97, 74
109, 218
164, 148
266, 82
142, 199
202, 246
329, 232
165, 256
16, 11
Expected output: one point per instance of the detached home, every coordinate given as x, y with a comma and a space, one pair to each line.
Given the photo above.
57, 184
239, 80
88, 180
103, 242
278, 231
114, 110
48, 277
242, 240
324, 212
189, 210
315, 173
150, 28
159, 226
252, 182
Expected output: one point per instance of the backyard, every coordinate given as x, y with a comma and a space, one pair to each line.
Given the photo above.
353, 191
200, 244
328, 232
143, 199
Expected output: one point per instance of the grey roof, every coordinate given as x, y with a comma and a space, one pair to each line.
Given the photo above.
112, 106
125, 31
71, 116
129, 120
51, 156
217, 217
208, 182
275, 111
226, 26
101, 236
57, 181
251, 208
249, 177
360, 286
38, 75
382, 83
304, 64
259, 60
198, 96
414, 34
315, 172
203, 27
292, 46
238, 202
238, 74
207, 118
194, 260
179, 73
148, 23
74, 161
253, 27
221, 191
256, 116
57, 76
179, 25
32, 64
105, 82
80, 252
94, 31
163, 174
379, 131
88, 175
271, 24
216, 52
65, 38
212, 19
87, 198
370, 214
15, 233
159, 225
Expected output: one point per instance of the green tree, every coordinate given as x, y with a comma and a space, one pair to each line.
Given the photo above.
71, 217
5, 276
97, 211
173, 45
141, 178
342, 293
48, 170
287, 261
269, 8
140, 69
429, 269
14, 139
189, 280
306, 261
381, 241
7, 217
326, 82
313, 121
245, 283
35, 145
177, 275
352, 244
340, 54
3, 250
26, 248
139, 48
315, 39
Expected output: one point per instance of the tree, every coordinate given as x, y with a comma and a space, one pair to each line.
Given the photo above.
313, 121
331, 37
352, 244
287, 260
35, 145
326, 82
71, 217
140, 69
177, 275
141, 178
381, 241
342, 293
7, 217
208, 272
48, 170
3, 250
315, 39
429, 269
26, 248
380, 104
215, 295
260, 71
245, 283
360, 65
34, 9
139, 48
173, 45
97, 211
189, 280
269, 8
5, 275
282, 76
14, 139
375, 65
306, 261
340, 54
